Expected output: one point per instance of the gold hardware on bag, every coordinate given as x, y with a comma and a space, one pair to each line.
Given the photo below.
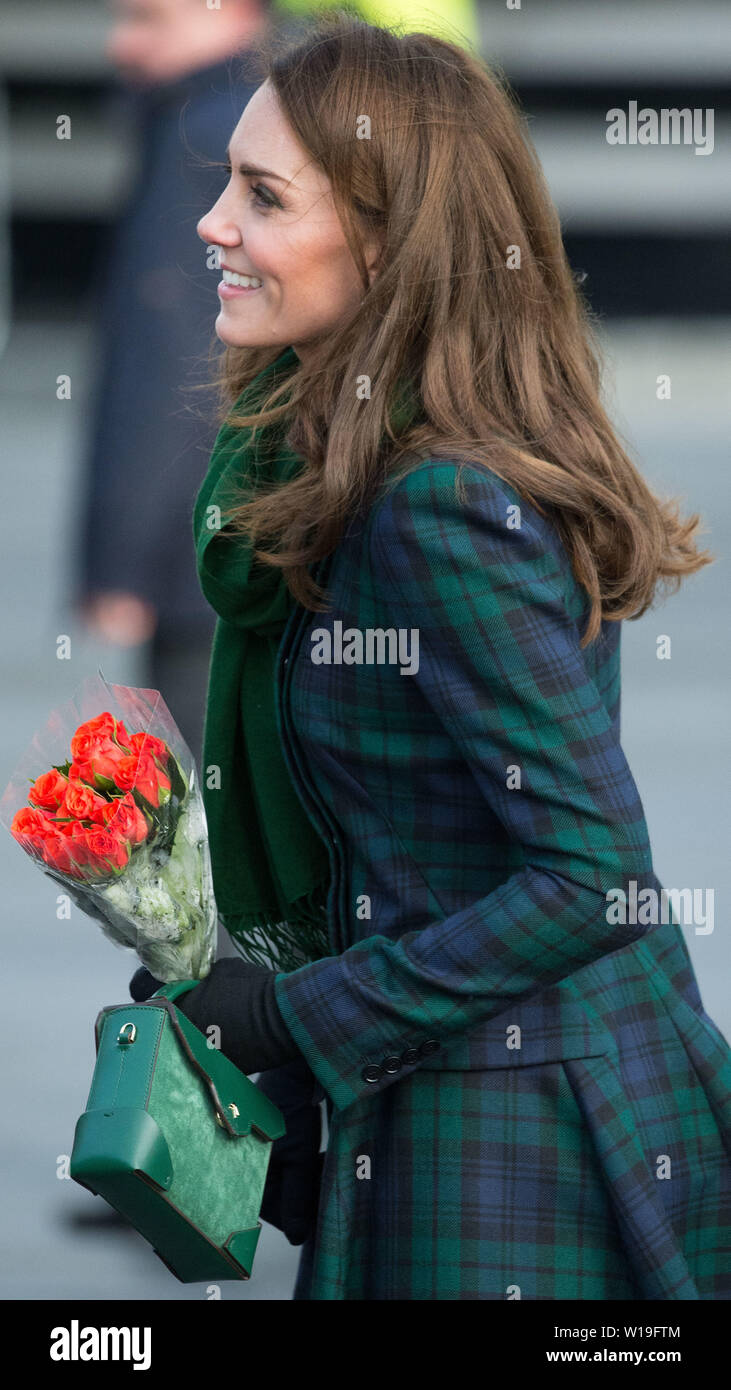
121, 1035
234, 1111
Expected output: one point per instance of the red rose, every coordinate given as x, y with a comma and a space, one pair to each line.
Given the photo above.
121, 735
104, 728
77, 830
83, 803
82, 774
148, 743
141, 774
98, 760
124, 819
71, 827
106, 853
30, 827
48, 790
65, 854
102, 724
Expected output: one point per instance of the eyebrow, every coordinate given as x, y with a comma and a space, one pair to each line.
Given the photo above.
257, 169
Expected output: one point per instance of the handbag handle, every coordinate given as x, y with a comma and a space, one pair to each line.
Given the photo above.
174, 989
167, 994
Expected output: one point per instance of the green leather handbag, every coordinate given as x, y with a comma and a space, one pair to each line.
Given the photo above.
176, 1138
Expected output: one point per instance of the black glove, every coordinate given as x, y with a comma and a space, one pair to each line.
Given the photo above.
292, 1188
143, 984
239, 998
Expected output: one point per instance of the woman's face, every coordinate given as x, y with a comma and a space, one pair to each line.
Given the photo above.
286, 234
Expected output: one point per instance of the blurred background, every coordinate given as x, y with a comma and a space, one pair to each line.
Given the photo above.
106, 319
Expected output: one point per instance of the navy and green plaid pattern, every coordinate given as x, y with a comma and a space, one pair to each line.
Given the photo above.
476, 813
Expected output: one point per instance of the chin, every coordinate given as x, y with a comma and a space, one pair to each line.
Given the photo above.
228, 335
238, 337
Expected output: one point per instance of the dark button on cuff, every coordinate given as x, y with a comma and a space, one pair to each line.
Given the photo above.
391, 1064
410, 1056
428, 1046
372, 1073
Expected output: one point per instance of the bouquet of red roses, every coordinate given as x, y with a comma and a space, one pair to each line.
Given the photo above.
121, 824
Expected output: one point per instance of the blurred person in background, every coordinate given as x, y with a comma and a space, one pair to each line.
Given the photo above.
180, 65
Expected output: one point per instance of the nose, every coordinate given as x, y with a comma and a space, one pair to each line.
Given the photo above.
218, 226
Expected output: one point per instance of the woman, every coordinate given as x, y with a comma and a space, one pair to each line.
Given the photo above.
413, 773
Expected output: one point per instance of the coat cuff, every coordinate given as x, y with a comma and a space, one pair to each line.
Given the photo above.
322, 1002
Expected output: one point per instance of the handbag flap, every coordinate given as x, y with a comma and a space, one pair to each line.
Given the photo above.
240, 1107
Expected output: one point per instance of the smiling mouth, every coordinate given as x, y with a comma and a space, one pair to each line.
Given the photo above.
243, 282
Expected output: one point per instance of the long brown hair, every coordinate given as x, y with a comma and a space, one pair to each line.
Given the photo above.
474, 305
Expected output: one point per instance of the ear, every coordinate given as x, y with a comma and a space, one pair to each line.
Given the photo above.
373, 260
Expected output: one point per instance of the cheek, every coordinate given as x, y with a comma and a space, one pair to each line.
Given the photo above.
263, 251
340, 281
308, 265
322, 272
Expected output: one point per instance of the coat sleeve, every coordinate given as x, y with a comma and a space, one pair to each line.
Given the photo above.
501, 668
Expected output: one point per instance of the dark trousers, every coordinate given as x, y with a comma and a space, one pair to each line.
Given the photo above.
178, 666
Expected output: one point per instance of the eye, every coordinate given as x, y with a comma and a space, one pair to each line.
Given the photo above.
263, 196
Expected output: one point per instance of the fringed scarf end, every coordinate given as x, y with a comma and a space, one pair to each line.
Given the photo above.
284, 945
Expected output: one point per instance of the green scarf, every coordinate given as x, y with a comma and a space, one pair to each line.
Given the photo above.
270, 867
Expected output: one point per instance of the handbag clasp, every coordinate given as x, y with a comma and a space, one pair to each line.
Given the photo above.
234, 1111
123, 1036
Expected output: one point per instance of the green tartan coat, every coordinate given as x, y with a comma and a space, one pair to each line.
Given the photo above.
526, 1097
